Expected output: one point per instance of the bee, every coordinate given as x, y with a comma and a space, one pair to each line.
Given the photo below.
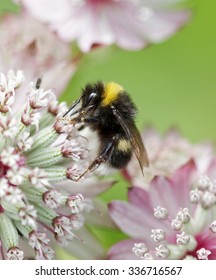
108, 110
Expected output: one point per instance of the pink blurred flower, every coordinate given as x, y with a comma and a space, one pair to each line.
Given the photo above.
166, 154
30, 45
175, 219
131, 24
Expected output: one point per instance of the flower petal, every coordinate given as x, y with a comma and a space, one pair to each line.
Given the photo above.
162, 192
89, 188
175, 189
101, 218
89, 249
181, 182
46, 10
140, 198
163, 24
123, 250
130, 24
132, 220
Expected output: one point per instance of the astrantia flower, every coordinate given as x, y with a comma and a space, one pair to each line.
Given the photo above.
32, 47
129, 24
174, 219
166, 154
34, 155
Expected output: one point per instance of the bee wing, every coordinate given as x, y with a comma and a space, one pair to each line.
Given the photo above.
134, 137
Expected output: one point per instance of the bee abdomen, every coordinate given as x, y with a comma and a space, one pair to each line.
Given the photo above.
122, 154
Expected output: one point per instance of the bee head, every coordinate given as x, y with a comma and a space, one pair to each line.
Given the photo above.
100, 94
92, 95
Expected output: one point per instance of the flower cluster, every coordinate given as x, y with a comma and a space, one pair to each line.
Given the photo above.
174, 219
37, 150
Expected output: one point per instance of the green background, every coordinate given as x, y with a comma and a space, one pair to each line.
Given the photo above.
172, 83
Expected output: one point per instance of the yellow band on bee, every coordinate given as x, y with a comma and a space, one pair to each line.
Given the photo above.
111, 92
124, 145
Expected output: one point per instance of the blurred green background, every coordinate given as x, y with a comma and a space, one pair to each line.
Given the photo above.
172, 83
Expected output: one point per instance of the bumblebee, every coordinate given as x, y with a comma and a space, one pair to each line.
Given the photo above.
108, 110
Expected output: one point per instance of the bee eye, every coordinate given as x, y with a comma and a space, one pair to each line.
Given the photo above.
92, 95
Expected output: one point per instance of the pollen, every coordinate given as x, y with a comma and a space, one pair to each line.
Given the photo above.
111, 93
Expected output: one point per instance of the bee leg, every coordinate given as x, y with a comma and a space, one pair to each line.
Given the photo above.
104, 157
92, 167
91, 120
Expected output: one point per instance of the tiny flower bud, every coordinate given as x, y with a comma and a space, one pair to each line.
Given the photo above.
158, 235
176, 224
63, 229
183, 215
204, 182
148, 256
208, 199
76, 203
140, 249
162, 251
28, 215
212, 188
182, 238
62, 126
195, 196
52, 198
202, 254
160, 213
74, 172
56, 108
15, 254
38, 97
8, 127
9, 157
75, 149
212, 226
24, 142
39, 242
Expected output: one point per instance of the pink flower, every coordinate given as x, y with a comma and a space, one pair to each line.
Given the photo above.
129, 24
32, 47
175, 219
166, 154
